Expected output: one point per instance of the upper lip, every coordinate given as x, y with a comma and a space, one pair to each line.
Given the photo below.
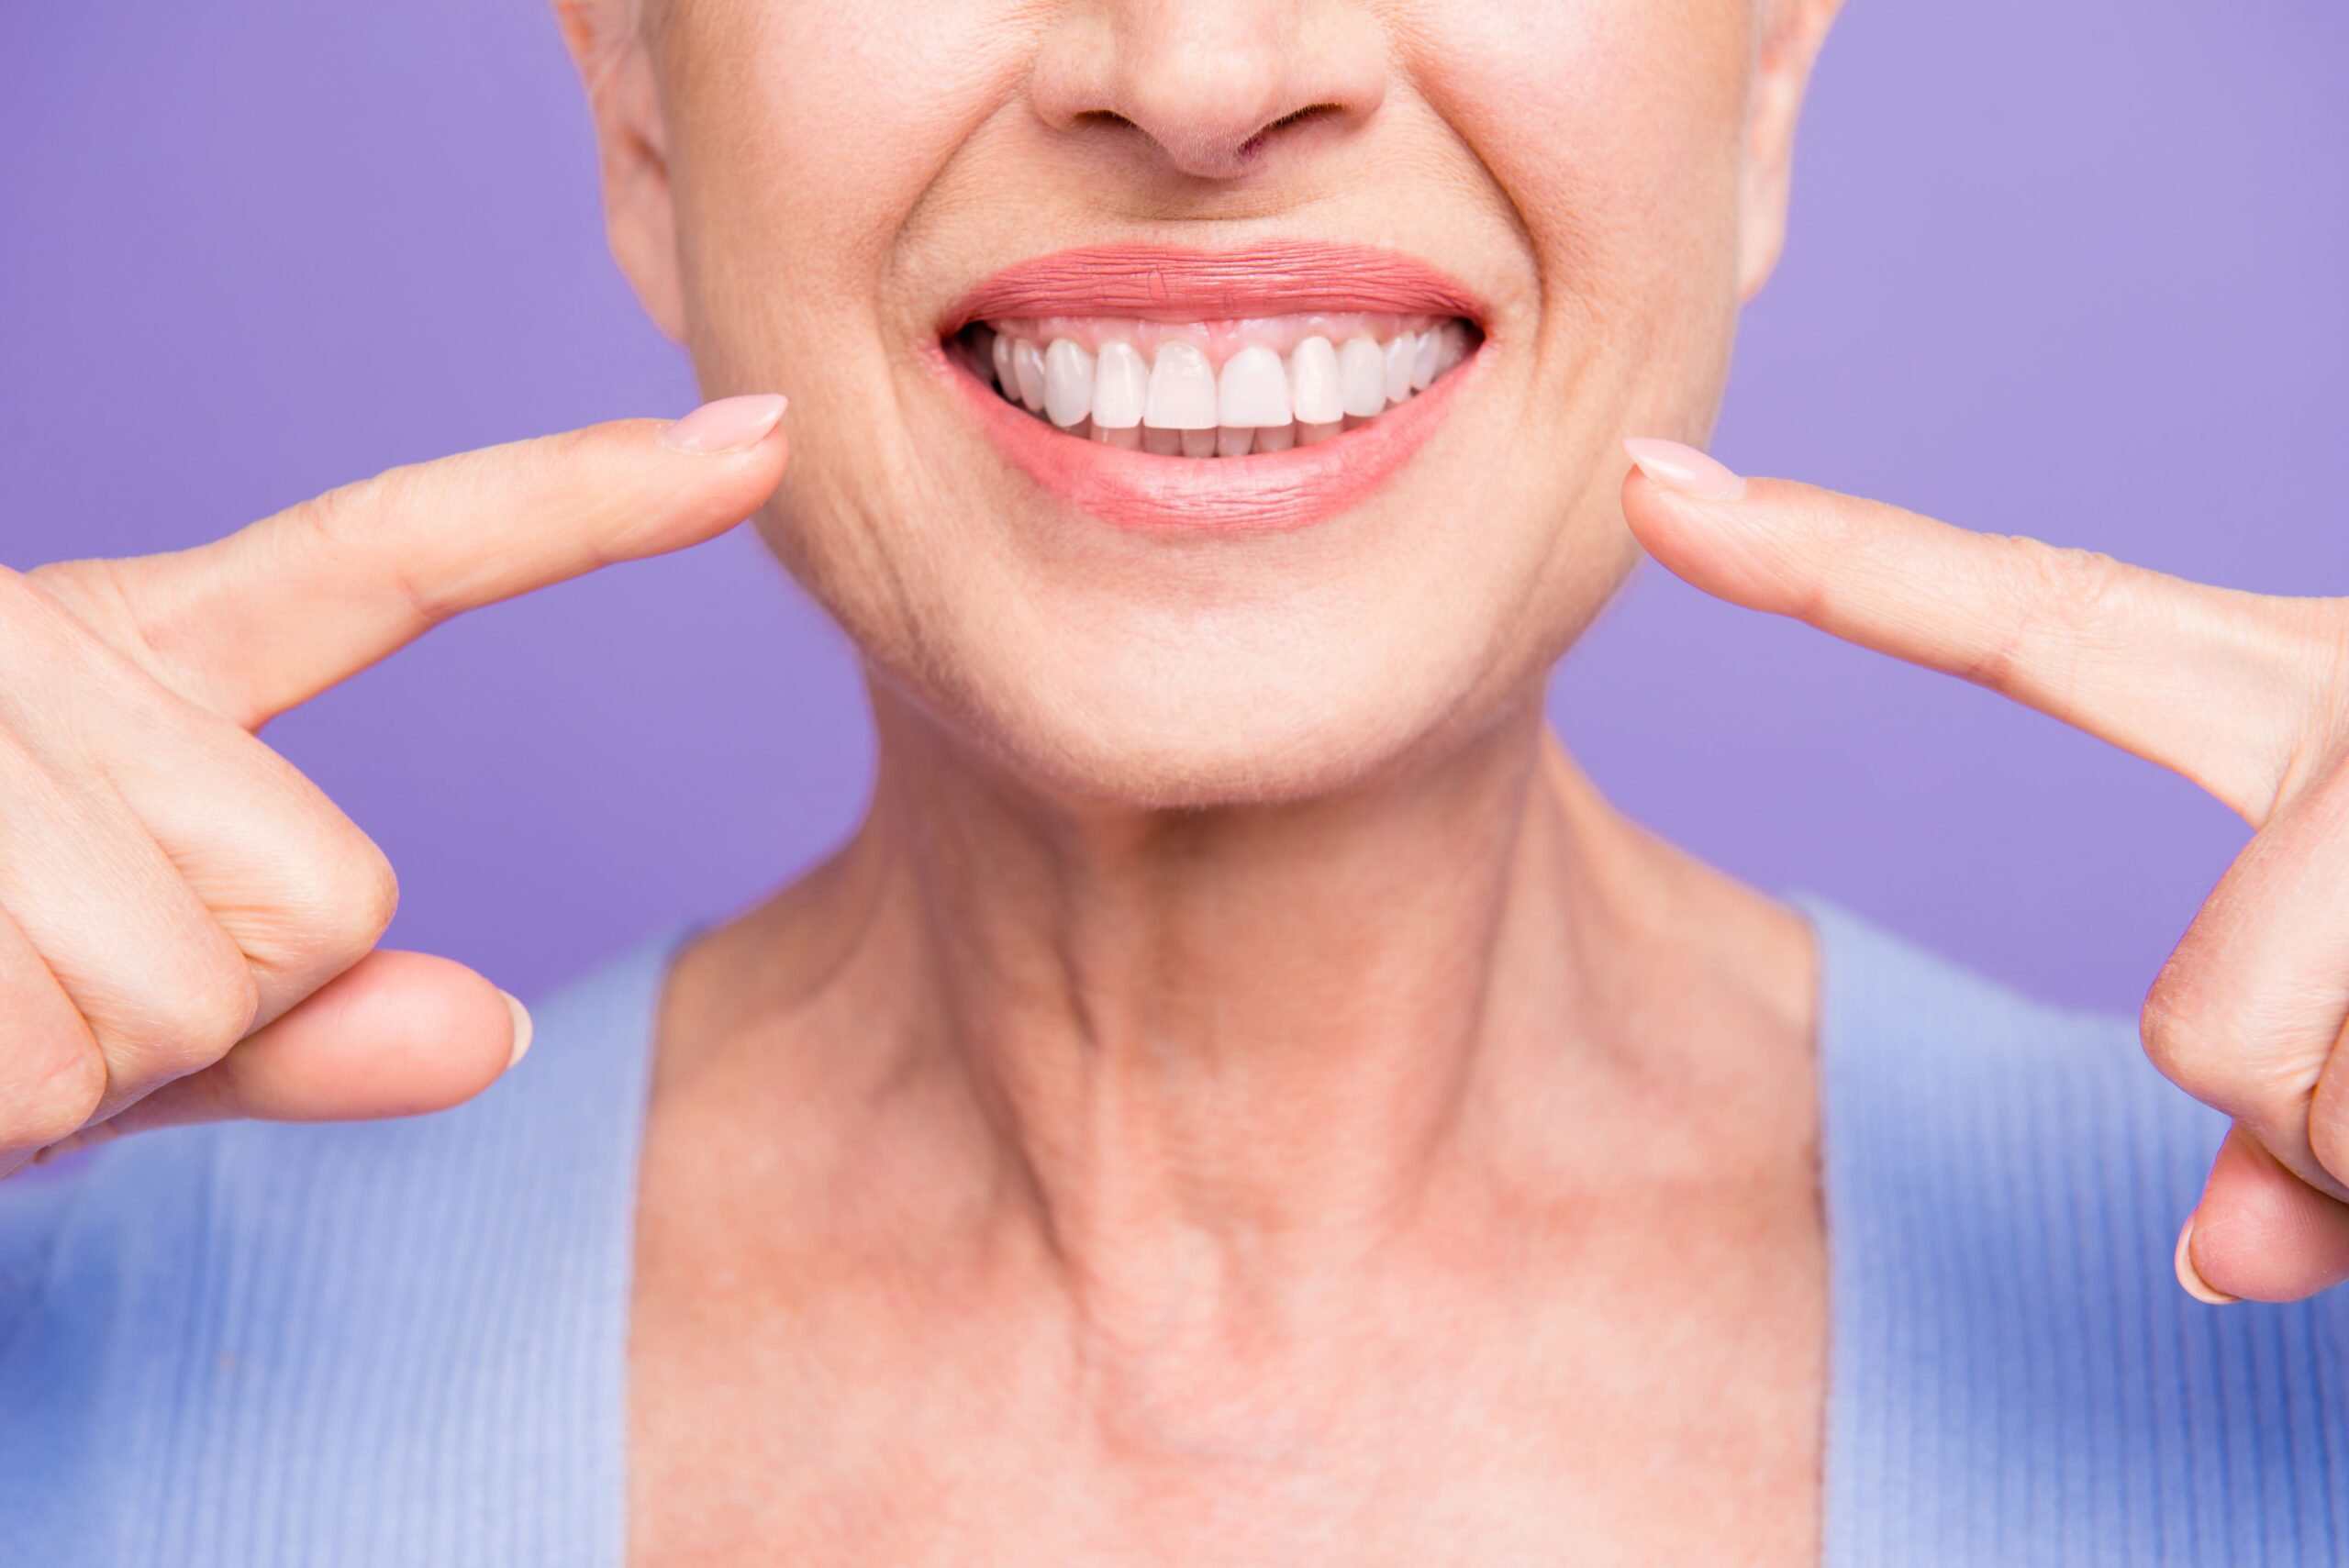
1174, 283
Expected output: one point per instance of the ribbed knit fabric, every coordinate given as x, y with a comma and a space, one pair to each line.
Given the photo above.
403, 1344
2015, 1377
394, 1344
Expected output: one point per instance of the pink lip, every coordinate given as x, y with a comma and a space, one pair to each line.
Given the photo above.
1278, 279
1261, 493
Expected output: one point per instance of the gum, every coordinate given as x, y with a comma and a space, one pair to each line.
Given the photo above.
1218, 339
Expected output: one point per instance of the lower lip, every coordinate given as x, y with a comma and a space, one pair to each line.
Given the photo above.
1262, 493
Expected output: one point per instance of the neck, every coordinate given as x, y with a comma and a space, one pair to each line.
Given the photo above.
1269, 1022
1204, 1057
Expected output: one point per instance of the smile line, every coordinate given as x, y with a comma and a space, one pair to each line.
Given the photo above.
1363, 350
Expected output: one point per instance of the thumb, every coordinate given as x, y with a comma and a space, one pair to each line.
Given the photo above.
397, 1034
2260, 1233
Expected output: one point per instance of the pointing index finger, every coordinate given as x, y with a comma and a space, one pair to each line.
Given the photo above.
2212, 683
255, 623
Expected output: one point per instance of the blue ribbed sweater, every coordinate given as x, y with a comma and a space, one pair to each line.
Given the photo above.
403, 1343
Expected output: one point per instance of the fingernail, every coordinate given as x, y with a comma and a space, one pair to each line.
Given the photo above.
521, 1028
729, 425
1684, 469
2191, 1277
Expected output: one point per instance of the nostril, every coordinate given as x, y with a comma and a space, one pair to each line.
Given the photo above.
1110, 119
1255, 144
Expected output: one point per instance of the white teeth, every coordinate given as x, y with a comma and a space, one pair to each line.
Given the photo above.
1252, 391
1313, 382
1068, 383
1454, 349
1027, 367
1400, 353
1182, 390
1361, 376
1120, 386
1423, 369
1178, 403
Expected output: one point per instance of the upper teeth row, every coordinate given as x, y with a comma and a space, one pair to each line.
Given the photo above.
1318, 383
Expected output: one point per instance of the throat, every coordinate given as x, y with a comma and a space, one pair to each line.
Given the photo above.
1219, 1046
1196, 1136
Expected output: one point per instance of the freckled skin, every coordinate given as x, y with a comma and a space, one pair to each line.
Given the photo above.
1242, 1096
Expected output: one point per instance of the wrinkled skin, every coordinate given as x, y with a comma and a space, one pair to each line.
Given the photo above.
1232, 1099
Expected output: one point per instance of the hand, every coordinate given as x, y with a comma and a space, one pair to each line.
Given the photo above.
187, 924
2246, 694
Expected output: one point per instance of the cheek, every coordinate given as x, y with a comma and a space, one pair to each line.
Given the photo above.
1596, 141
1614, 130
803, 137
795, 188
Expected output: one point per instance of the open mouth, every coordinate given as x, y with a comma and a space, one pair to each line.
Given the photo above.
1213, 389
1237, 390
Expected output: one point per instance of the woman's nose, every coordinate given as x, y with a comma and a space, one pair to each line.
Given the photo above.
1215, 87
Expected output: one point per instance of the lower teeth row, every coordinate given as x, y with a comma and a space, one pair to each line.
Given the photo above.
1178, 405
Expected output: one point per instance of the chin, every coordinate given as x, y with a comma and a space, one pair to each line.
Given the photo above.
1085, 549
1150, 723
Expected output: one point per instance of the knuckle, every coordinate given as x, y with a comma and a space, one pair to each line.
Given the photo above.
213, 1010
2082, 584
561, 451
357, 895
138, 647
58, 1102
2245, 1050
39, 623
324, 891
343, 522
2183, 1041
92, 601
331, 520
550, 469
2068, 600
83, 589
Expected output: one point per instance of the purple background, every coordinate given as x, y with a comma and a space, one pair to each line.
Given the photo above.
2071, 269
